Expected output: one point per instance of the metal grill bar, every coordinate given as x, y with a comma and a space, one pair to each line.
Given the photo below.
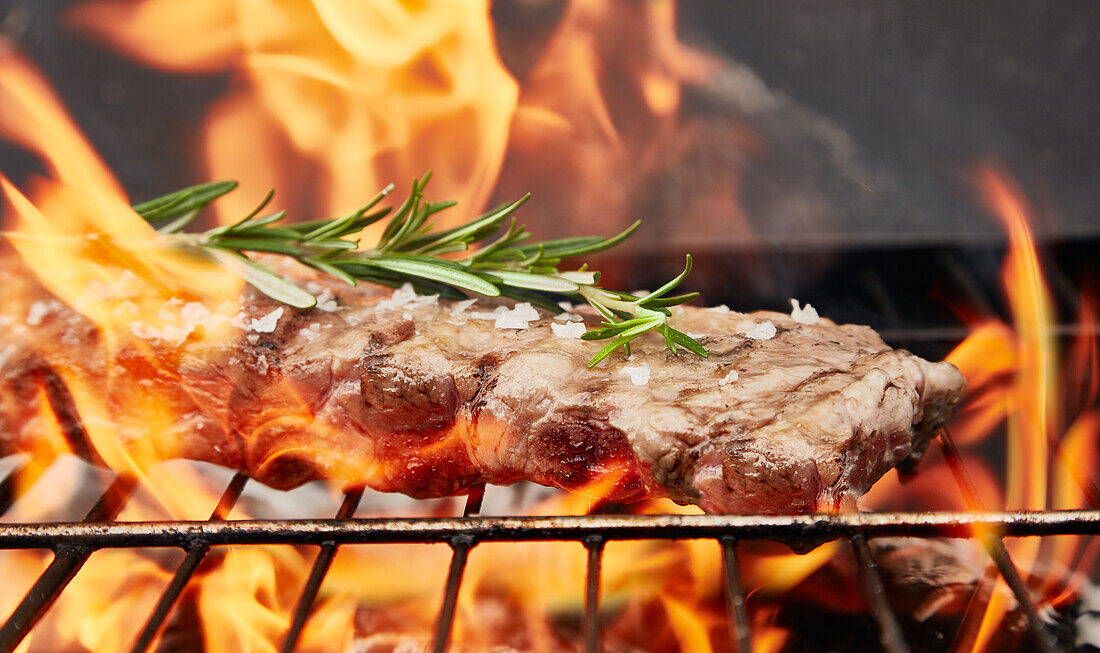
196, 552
23, 476
778, 528
317, 575
890, 635
67, 561
970, 627
735, 596
995, 546
9, 485
474, 500
593, 571
461, 545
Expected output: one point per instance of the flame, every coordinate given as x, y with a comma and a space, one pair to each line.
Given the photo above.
1014, 375
1034, 399
602, 104
345, 95
329, 97
83, 242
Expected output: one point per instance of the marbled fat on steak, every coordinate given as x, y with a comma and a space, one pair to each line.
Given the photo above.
430, 397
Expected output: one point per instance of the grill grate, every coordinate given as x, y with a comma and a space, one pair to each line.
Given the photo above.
73, 544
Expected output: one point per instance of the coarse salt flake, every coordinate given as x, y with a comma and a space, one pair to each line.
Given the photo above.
404, 296
721, 308
639, 374
37, 312
568, 330
516, 318
730, 378
325, 301
804, 315
267, 323
144, 331
458, 309
174, 334
761, 331
194, 312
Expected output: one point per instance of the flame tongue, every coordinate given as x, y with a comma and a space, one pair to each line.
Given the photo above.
80, 237
351, 94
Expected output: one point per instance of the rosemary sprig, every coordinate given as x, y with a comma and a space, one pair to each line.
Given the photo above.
412, 250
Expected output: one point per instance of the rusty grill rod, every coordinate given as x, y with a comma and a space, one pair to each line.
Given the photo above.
317, 574
592, 574
735, 597
67, 561
196, 552
779, 528
995, 547
21, 477
460, 545
1039, 634
890, 635
10, 484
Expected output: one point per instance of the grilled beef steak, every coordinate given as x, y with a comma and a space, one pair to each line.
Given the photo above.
429, 397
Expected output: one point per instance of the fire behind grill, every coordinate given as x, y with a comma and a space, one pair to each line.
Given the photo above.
73, 543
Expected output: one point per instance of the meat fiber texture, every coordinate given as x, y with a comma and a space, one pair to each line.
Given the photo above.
428, 397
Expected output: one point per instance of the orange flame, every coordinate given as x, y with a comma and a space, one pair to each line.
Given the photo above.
335, 96
1013, 373
1032, 403
602, 103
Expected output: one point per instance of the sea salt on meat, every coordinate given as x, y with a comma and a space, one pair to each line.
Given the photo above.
38, 312
144, 331
194, 312
639, 374
458, 310
803, 315
267, 323
326, 303
406, 297
730, 378
519, 317
400, 297
762, 331
175, 335
568, 330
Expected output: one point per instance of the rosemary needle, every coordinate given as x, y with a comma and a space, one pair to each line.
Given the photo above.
412, 250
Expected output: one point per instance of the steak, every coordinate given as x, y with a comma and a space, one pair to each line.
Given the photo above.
403, 393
